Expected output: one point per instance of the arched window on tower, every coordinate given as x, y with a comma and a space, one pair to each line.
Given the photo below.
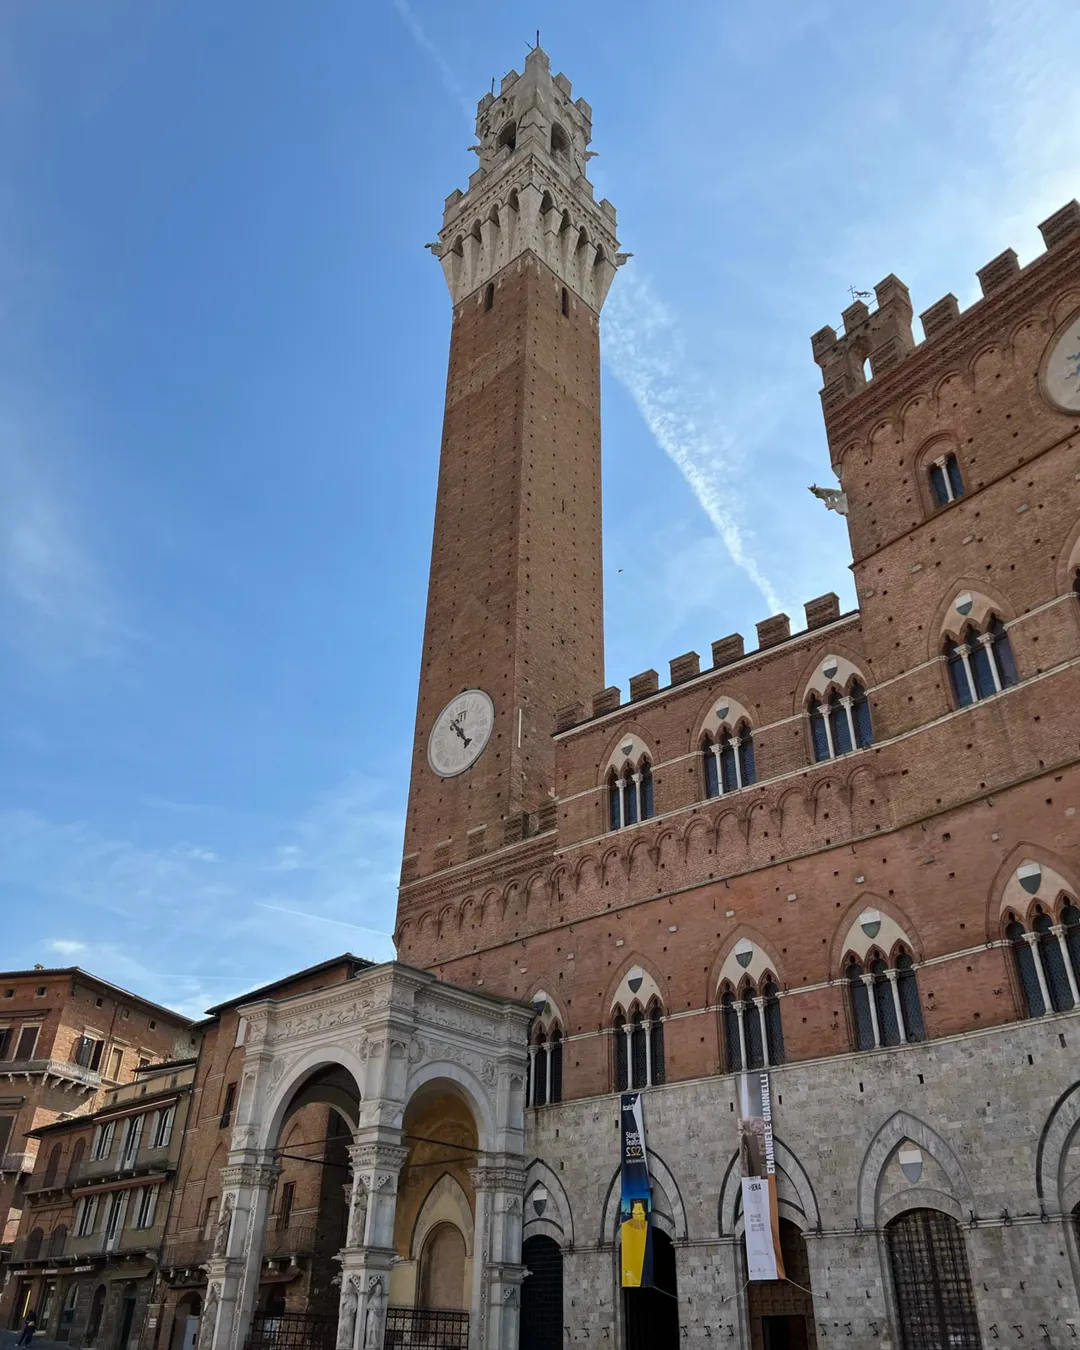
630, 795
981, 664
885, 1004
565, 303
946, 481
1047, 957
489, 296
841, 723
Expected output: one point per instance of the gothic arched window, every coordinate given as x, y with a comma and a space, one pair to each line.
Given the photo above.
1027, 969
751, 1026
910, 1007
657, 1071
981, 664
861, 1018
539, 1071
946, 480
774, 1031
729, 1022
885, 1001
1047, 958
630, 795
819, 733
555, 1065
622, 1060
729, 760
639, 1053
710, 764
639, 1048
1053, 955
841, 723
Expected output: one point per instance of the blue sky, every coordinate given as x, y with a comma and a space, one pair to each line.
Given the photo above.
222, 358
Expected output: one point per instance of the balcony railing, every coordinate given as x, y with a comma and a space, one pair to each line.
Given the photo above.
58, 1069
187, 1255
283, 1244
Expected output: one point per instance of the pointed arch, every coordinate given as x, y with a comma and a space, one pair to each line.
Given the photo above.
445, 1202
850, 939
667, 1200
886, 1141
556, 1219
1051, 1155
850, 664
1006, 893
627, 747
616, 995
796, 1192
726, 965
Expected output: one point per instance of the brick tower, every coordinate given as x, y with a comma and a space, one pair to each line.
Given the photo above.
515, 603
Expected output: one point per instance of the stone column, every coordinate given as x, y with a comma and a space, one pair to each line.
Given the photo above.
232, 1283
369, 1252
499, 1184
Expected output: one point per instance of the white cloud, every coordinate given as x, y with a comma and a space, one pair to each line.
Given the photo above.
190, 924
57, 604
643, 347
449, 80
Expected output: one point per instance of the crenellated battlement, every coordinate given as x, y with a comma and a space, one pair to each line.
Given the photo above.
875, 342
772, 632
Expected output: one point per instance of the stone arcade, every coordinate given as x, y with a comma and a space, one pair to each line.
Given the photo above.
376, 1049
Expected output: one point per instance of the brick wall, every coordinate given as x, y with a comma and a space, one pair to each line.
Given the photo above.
515, 602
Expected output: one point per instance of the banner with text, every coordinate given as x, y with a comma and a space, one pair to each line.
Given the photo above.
761, 1218
636, 1198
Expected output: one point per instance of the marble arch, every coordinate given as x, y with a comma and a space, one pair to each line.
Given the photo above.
400, 1033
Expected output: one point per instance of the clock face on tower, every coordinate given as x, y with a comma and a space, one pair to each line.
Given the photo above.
460, 733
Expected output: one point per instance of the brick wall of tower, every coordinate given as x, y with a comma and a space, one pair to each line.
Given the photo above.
926, 826
515, 600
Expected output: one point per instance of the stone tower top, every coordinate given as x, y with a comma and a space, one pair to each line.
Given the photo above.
530, 192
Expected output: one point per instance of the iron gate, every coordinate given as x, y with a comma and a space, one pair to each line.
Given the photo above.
934, 1297
292, 1331
426, 1329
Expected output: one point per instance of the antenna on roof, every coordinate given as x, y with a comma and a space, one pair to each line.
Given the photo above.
532, 46
493, 84
860, 295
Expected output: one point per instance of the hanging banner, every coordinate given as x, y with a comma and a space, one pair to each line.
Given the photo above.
761, 1219
636, 1199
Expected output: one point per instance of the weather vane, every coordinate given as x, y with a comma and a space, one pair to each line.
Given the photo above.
859, 295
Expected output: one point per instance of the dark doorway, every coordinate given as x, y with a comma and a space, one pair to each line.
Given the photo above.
127, 1316
784, 1333
782, 1311
935, 1302
651, 1316
93, 1322
542, 1295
